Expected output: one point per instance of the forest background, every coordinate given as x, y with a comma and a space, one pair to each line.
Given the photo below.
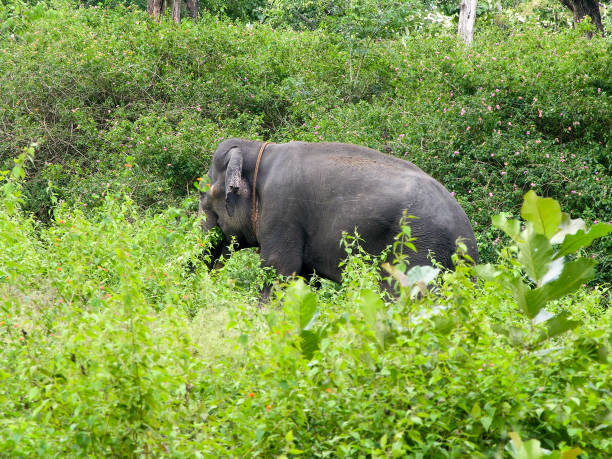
119, 341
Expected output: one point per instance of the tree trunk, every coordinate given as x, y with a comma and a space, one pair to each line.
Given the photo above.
154, 7
176, 11
582, 8
192, 9
467, 17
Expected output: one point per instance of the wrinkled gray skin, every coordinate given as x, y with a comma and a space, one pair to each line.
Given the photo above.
308, 194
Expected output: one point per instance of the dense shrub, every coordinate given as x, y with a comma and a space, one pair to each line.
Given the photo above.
115, 342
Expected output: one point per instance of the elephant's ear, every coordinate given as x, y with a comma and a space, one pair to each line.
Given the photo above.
234, 183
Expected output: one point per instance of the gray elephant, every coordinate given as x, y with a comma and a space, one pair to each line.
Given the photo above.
295, 200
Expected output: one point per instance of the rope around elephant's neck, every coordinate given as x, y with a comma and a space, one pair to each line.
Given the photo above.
254, 196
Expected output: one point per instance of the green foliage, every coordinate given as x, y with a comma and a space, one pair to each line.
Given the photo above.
115, 342
549, 275
424, 376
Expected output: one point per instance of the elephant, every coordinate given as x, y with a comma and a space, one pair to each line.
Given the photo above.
295, 200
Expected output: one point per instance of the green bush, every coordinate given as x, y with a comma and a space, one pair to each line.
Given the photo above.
117, 341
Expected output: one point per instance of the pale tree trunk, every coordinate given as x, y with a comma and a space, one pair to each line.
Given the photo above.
192, 9
582, 8
467, 17
176, 11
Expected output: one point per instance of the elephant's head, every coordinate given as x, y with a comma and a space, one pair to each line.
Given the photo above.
227, 203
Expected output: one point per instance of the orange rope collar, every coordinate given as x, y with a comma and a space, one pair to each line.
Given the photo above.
254, 196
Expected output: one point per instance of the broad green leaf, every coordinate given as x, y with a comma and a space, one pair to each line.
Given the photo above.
443, 325
307, 309
542, 316
511, 227
310, 343
476, 411
383, 441
369, 303
557, 325
567, 226
554, 271
520, 291
543, 213
573, 242
535, 254
302, 302
574, 274
486, 422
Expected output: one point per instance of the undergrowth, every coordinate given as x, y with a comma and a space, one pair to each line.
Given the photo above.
118, 341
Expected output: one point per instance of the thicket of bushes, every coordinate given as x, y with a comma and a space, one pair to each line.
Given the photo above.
111, 346
99, 89
116, 340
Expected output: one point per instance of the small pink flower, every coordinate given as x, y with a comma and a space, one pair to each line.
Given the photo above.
490, 195
498, 107
455, 153
573, 191
532, 184
492, 155
452, 193
503, 172
528, 133
489, 108
462, 111
547, 155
